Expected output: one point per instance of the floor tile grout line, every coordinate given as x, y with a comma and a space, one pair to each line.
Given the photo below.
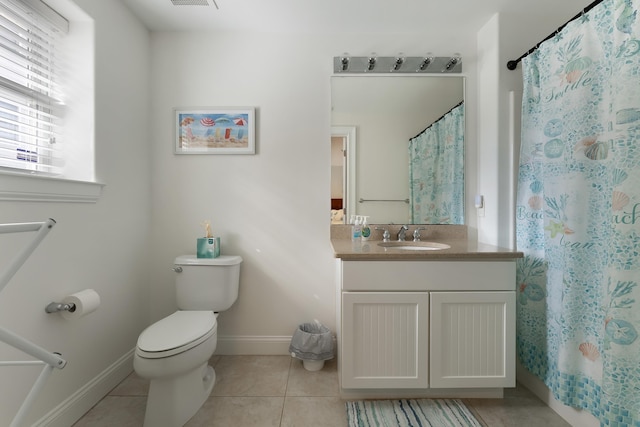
286, 388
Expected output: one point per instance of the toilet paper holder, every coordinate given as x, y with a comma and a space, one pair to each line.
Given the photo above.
55, 307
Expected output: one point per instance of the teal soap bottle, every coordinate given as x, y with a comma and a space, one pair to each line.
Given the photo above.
366, 230
356, 228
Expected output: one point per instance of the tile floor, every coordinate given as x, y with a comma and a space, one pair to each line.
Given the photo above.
266, 391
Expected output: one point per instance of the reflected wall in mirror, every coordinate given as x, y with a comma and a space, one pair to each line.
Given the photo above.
373, 119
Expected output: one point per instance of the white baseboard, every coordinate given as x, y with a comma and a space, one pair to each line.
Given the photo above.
575, 417
253, 345
76, 405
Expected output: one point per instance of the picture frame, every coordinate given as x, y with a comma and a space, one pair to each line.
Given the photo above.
214, 130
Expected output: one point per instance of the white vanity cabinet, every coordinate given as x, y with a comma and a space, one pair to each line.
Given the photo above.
426, 324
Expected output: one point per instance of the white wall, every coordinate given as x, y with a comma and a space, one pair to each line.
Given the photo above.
270, 208
104, 246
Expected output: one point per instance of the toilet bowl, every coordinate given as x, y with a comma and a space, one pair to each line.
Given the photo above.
173, 353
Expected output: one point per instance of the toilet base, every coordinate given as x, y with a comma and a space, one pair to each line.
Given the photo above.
173, 401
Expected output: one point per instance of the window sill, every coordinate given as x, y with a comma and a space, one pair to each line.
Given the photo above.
32, 188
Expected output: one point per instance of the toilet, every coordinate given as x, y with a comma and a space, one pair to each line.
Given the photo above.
173, 353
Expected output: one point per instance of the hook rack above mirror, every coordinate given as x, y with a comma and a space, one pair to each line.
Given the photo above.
397, 64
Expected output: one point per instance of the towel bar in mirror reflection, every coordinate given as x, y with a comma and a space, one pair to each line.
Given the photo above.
361, 200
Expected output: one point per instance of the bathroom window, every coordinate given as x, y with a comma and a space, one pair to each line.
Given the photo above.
31, 98
46, 121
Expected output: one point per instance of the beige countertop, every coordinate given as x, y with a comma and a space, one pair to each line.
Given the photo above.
461, 248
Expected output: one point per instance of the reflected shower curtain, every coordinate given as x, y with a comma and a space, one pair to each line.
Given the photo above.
578, 214
436, 168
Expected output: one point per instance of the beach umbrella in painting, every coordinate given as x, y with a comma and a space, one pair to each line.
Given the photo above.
185, 124
240, 122
208, 122
225, 121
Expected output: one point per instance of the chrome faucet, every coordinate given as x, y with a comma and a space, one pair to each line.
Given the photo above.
416, 233
402, 232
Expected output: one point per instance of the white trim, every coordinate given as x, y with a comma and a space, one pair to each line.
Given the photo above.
349, 133
80, 402
33, 188
253, 345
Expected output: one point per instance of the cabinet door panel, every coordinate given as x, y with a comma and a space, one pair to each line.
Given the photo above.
472, 339
384, 341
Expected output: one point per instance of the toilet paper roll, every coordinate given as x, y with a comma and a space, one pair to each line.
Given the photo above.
85, 302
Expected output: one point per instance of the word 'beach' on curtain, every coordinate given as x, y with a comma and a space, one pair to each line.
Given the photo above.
578, 214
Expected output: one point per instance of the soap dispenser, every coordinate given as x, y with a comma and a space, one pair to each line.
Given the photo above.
366, 230
356, 228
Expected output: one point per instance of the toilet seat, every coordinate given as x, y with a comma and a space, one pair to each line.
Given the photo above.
176, 334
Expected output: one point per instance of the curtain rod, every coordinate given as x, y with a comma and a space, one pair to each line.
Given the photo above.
438, 119
513, 64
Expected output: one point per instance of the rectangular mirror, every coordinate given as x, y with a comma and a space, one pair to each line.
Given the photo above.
374, 118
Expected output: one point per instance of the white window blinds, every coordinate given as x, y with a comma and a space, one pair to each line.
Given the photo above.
31, 100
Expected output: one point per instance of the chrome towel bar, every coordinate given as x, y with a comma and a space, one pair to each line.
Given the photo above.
384, 200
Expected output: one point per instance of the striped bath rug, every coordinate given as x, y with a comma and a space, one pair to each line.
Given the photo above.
410, 413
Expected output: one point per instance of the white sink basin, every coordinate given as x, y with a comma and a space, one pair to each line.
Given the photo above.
414, 246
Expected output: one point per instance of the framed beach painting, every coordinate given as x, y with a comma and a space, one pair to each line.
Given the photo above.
215, 130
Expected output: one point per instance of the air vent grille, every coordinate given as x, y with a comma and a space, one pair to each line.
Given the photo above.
190, 2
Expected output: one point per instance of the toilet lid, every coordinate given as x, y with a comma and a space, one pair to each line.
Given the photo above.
177, 333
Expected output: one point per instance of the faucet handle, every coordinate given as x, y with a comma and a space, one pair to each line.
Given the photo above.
416, 233
386, 236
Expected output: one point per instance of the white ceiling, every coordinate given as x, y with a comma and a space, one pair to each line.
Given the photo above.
443, 17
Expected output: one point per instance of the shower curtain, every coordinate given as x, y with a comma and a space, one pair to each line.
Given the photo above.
436, 169
578, 214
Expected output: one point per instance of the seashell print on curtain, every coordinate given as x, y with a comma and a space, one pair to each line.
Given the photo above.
436, 168
578, 214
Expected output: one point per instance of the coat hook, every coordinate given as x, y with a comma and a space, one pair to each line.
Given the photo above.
398, 63
345, 63
372, 64
425, 63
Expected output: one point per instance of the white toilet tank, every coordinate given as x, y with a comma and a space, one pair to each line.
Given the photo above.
207, 283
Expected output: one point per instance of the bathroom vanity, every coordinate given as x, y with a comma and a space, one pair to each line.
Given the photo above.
425, 322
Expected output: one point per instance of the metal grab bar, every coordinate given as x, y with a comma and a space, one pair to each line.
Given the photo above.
383, 200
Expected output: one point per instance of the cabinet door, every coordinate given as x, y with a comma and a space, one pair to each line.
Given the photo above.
384, 342
472, 339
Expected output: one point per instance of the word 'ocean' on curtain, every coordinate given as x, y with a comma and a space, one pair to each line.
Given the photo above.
578, 214
436, 168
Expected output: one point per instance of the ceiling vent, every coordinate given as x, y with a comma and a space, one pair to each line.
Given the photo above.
190, 2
